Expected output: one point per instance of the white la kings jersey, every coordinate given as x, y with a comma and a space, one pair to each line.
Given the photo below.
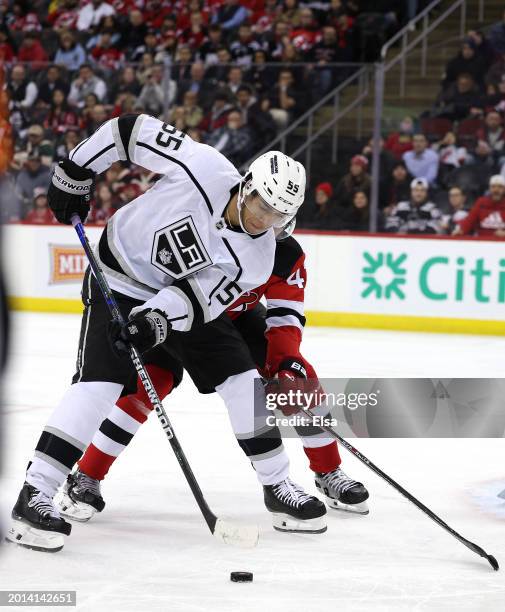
170, 246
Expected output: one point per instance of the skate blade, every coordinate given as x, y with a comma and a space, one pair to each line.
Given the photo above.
289, 524
361, 508
26, 536
75, 511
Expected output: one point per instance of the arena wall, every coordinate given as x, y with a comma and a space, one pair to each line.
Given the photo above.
372, 281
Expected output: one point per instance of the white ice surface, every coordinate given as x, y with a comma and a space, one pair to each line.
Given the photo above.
149, 549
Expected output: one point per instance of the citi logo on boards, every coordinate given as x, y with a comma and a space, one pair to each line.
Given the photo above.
440, 278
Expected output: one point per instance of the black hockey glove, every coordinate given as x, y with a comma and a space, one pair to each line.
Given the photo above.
292, 367
145, 330
70, 191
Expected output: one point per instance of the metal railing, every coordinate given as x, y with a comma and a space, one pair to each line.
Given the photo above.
360, 80
406, 45
415, 33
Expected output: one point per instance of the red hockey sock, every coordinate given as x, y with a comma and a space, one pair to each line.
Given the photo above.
323, 459
138, 405
95, 461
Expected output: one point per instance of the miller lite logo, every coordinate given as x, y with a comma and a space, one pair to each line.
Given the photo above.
67, 264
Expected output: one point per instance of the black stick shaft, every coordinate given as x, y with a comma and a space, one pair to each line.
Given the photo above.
138, 362
473, 547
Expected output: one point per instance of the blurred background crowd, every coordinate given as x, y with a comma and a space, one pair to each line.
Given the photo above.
233, 74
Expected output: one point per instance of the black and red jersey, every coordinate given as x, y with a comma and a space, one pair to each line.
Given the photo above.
284, 293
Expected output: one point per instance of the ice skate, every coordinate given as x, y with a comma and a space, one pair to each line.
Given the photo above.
80, 497
343, 493
36, 523
294, 510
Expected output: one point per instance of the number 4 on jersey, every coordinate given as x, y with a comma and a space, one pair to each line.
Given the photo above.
296, 279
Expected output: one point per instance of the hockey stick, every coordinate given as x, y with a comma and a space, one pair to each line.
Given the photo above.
246, 536
473, 547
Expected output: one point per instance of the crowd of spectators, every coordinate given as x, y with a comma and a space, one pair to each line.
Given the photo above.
230, 73
442, 172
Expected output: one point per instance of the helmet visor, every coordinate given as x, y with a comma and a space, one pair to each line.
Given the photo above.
265, 215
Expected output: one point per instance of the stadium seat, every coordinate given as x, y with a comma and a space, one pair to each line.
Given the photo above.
435, 128
467, 132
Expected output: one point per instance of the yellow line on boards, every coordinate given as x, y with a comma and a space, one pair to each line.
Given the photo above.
316, 318
444, 325
46, 304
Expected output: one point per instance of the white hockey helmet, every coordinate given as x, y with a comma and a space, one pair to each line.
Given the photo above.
279, 180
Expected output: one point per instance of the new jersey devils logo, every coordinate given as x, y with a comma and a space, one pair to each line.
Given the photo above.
245, 301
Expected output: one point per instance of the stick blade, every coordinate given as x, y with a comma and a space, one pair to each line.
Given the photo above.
493, 562
242, 536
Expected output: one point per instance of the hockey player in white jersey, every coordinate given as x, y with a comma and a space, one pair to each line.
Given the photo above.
175, 257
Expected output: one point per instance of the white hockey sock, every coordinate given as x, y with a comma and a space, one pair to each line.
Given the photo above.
69, 431
261, 443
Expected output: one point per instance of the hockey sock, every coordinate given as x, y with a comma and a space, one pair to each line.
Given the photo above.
123, 422
323, 458
69, 431
261, 443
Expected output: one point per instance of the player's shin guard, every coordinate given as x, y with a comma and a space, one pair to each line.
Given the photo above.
81, 496
68, 432
261, 443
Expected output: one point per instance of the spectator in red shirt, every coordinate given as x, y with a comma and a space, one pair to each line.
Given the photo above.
195, 33
63, 15
61, 116
106, 56
487, 216
40, 213
186, 12
307, 34
22, 20
264, 19
6, 46
32, 52
401, 141
156, 12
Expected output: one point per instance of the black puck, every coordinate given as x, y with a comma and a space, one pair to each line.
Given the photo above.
241, 577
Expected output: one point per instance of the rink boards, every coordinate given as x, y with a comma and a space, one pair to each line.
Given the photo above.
361, 280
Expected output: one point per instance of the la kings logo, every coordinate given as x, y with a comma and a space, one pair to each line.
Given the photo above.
178, 249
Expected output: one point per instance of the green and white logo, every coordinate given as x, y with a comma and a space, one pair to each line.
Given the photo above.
431, 276
384, 275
